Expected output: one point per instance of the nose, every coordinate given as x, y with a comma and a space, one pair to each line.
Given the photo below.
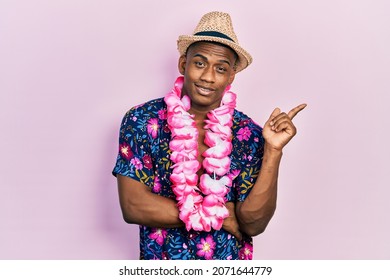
208, 75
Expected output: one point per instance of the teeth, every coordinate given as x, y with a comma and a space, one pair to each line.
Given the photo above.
205, 90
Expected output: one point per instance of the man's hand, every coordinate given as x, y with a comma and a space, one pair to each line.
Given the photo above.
230, 224
279, 129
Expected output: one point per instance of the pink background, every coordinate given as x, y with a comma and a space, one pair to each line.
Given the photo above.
69, 70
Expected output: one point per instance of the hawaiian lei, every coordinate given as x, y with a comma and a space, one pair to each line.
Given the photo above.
201, 208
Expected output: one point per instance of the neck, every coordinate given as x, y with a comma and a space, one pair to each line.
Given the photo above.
199, 114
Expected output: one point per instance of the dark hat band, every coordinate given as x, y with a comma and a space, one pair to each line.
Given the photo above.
214, 34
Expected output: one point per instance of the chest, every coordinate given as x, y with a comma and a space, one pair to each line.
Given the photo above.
202, 147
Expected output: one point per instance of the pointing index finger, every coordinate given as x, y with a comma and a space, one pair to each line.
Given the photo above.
296, 110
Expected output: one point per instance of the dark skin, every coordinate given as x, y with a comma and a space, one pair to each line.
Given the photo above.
207, 69
210, 68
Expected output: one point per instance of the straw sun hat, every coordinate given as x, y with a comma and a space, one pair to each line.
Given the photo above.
216, 27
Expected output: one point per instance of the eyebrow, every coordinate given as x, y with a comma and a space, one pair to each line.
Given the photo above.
205, 58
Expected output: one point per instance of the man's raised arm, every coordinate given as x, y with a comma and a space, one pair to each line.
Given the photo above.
255, 212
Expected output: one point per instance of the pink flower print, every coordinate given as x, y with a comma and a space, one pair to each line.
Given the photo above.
125, 151
166, 128
156, 185
137, 163
234, 173
192, 235
244, 123
153, 127
162, 114
244, 133
164, 255
206, 248
246, 252
147, 161
159, 235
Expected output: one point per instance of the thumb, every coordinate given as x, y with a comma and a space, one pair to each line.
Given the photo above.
238, 235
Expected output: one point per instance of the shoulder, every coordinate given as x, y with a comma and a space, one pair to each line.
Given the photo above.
138, 115
241, 120
146, 110
151, 106
246, 132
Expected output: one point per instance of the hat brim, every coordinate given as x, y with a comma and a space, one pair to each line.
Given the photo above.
244, 58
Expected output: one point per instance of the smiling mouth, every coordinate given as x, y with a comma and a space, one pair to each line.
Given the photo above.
204, 90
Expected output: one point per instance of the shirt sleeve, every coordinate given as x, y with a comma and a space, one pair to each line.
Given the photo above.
134, 156
249, 144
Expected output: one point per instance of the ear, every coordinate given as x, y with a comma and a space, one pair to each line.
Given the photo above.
182, 64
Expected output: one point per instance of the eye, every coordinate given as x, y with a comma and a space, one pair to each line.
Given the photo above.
221, 69
199, 64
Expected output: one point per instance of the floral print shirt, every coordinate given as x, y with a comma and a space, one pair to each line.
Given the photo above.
144, 156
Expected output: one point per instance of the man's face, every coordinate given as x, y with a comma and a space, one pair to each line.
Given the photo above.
207, 68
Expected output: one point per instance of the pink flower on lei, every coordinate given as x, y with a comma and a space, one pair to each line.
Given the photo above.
217, 165
206, 248
214, 211
219, 148
201, 208
153, 127
244, 134
209, 185
159, 235
246, 252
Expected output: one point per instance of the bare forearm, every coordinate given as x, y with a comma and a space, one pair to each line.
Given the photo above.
258, 208
146, 208
154, 211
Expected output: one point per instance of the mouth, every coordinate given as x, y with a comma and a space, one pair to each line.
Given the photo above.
204, 90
